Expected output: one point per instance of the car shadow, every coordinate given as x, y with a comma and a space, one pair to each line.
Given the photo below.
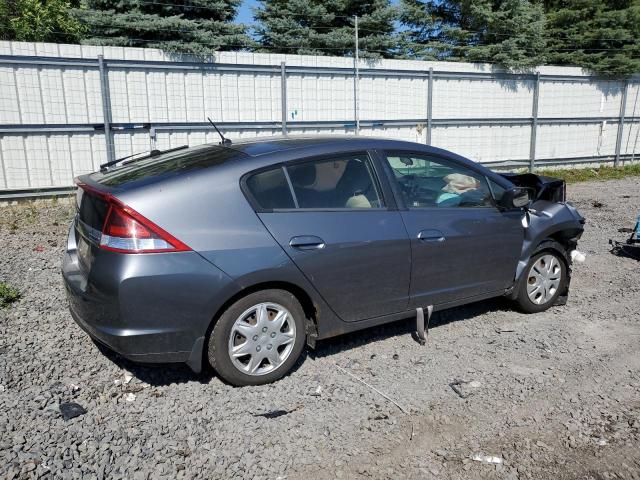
407, 326
166, 374
157, 375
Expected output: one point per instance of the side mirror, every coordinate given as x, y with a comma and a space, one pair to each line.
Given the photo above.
517, 197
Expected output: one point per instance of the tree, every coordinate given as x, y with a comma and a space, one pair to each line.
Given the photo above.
600, 35
316, 27
38, 21
507, 32
198, 27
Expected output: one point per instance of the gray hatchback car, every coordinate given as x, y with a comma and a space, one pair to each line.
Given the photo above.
237, 255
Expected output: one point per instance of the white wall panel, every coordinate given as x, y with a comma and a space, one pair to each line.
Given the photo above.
93, 95
631, 139
60, 157
482, 98
28, 86
75, 95
566, 99
53, 96
566, 141
3, 178
157, 96
194, 93
9, 105
39, 164
230, 101
118, 94
99, 151
81, 153
485, 143
137, 99
15, 163
632, 108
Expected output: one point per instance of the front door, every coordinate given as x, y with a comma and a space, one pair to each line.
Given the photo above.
342, 237
461, 244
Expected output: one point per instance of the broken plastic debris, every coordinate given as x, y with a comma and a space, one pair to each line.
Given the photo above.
317, 392
481, 457
127, 377
130, 397
71, 410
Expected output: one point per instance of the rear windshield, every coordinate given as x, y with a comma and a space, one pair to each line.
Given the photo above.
166, 166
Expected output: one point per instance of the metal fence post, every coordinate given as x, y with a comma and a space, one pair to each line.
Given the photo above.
623, 106
106, 108
534, 123
430, 106
283, 94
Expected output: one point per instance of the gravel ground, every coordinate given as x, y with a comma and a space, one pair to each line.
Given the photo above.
554, 395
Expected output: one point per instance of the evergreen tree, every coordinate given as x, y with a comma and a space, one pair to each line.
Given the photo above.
600, 35
317, 27
198, 27
38, 21
507, 32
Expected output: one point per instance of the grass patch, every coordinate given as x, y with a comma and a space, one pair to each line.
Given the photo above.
604, 172
8, 295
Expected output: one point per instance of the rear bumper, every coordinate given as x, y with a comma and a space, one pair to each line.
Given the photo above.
151, 308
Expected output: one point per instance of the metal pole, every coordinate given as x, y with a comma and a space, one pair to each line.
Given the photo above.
106, 108
356, 80
623, 106
430, 106
283, 94
534, 123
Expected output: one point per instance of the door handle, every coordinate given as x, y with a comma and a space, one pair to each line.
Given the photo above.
307, 242
431, 236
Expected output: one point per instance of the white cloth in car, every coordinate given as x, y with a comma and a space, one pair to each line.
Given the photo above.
358, 201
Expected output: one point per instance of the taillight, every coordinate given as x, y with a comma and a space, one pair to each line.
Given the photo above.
126, 231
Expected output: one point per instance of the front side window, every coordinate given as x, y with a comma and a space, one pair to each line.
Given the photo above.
339, 182
429, 182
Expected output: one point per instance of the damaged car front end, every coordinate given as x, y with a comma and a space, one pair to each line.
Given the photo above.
549, 222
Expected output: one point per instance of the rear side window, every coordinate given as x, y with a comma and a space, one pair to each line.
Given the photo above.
270, 189
340, 182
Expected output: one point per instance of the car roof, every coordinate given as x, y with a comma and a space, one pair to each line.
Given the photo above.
260, 146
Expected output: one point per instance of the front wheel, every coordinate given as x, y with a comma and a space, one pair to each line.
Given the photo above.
258, 339
543, 280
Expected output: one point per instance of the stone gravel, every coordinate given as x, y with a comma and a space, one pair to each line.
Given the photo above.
552, 395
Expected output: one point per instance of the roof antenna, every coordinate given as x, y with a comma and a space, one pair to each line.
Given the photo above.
225, 141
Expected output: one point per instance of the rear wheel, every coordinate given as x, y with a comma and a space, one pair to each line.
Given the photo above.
258, 339
543, 280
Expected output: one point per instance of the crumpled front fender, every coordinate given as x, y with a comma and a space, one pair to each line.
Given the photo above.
549, 220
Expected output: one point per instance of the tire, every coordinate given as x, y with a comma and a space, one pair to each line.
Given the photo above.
538, 289
265, 351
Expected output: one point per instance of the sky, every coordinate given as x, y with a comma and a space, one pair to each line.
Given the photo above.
244, 12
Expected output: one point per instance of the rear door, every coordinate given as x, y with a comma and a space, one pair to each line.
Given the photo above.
330, 216
462, 245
